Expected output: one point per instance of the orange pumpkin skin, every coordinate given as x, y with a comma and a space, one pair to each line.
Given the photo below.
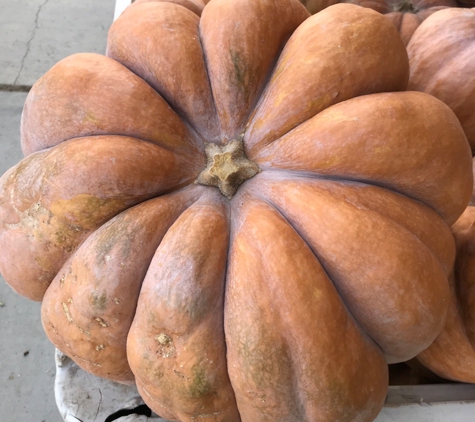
284, 302
441, 58
406, 15
452, 354
315, 6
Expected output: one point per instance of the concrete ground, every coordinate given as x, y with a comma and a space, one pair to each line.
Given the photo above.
34, 35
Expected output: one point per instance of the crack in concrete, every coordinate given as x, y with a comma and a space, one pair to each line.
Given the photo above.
14, 88
28, 44
99, 405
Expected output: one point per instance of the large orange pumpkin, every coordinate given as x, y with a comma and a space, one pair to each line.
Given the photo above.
442, 59
244, 213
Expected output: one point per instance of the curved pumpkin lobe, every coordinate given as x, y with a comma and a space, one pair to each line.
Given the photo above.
227, 167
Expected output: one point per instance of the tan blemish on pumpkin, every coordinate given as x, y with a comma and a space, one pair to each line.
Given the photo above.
67, 313
154, 400
50, 227
205, 415
117, 301
84, 212
89, 117
70, 318
100, 347
32, 217
166, 348
101, 322
259, 396
87, 361
281, 96
317, 294
83, 331
61, 280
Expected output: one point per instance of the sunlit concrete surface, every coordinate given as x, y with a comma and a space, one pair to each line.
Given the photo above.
34, 35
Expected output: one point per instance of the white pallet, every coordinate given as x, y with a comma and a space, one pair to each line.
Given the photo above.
120, 6
82, 397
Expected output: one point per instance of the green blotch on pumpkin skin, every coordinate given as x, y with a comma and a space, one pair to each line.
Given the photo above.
200, 386
237, 63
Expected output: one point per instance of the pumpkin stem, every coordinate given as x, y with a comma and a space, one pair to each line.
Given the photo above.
405, 6
227, 167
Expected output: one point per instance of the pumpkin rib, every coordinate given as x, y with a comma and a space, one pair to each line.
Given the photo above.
363, 332
173, 69
181, 303
259, 94
326, 84
237, 60
281, 212
293, 383
86, 94
289, 175
259, 326
409, 342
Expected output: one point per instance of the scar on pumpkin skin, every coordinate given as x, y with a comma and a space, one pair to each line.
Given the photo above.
101, 322
205, 415
87, 361
68, 314
166, 348
155, 401
70, 318
31, 217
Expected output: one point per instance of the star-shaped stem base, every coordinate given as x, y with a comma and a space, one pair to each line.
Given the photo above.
227, 167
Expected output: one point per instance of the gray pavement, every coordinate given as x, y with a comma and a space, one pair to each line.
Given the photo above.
26, 357
34, 35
